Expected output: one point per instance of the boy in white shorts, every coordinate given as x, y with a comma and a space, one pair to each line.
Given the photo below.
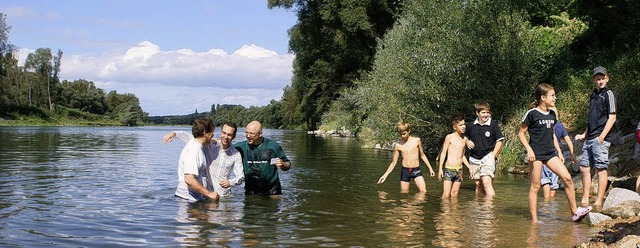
485, 143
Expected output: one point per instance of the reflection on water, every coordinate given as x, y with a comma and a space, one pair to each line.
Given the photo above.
404, 220
209, 223
104, 186
484, 219
450, 224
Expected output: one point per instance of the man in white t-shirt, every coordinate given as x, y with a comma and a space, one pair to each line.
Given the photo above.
193, 164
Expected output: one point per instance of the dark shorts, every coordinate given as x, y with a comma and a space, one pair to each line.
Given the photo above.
452, 175
252, 189
546, 157
409, 173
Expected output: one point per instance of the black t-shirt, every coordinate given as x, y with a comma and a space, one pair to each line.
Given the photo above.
602, 103
541, 132
483, 136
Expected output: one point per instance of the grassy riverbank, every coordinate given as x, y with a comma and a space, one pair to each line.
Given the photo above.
62, 117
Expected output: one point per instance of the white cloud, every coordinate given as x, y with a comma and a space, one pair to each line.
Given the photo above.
181, 81
248, 67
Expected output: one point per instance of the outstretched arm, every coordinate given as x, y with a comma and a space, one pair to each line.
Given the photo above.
396, 154
181, 135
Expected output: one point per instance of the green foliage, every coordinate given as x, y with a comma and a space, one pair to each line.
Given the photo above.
443, 57
125, 108
334, 42
83, 95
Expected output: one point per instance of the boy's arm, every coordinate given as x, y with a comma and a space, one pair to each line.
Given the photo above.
466, 163
443, 152
570, 145
557, 146
581, 136
497, 149
523, 139
607, 128
424, 158
396, 154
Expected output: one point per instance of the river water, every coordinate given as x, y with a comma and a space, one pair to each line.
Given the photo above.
113, 186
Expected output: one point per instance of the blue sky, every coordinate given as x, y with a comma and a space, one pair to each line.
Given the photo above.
176, 56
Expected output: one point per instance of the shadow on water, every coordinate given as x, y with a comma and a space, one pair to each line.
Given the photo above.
86, 186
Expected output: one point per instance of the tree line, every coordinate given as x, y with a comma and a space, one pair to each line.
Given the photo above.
268, 115
35, 89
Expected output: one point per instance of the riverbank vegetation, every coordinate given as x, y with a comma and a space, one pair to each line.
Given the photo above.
440, 58
33, 94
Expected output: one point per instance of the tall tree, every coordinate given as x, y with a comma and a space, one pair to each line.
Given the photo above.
44, 66
8, 64
334, 42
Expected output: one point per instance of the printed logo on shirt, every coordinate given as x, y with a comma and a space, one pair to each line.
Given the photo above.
487, 134
256, 161
549, 123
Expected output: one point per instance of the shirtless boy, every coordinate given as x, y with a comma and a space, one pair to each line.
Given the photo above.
411, 150
453, 153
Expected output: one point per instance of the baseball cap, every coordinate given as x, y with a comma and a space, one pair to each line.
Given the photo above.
599, 70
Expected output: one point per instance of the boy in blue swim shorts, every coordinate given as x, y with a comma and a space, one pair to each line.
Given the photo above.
411, 150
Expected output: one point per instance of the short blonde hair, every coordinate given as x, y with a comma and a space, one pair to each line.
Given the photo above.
482, 106
402, 126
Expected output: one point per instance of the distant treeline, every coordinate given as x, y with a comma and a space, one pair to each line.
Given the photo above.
267, 115
36, 90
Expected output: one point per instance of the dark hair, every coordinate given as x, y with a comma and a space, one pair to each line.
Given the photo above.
232, 125
541, 90
455, 119
201, 126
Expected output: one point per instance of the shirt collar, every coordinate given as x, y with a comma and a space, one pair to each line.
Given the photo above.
600, 91
487, 123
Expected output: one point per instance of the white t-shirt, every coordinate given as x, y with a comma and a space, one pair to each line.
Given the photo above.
192, 161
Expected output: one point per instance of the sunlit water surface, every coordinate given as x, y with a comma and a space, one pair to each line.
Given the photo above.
94, 186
